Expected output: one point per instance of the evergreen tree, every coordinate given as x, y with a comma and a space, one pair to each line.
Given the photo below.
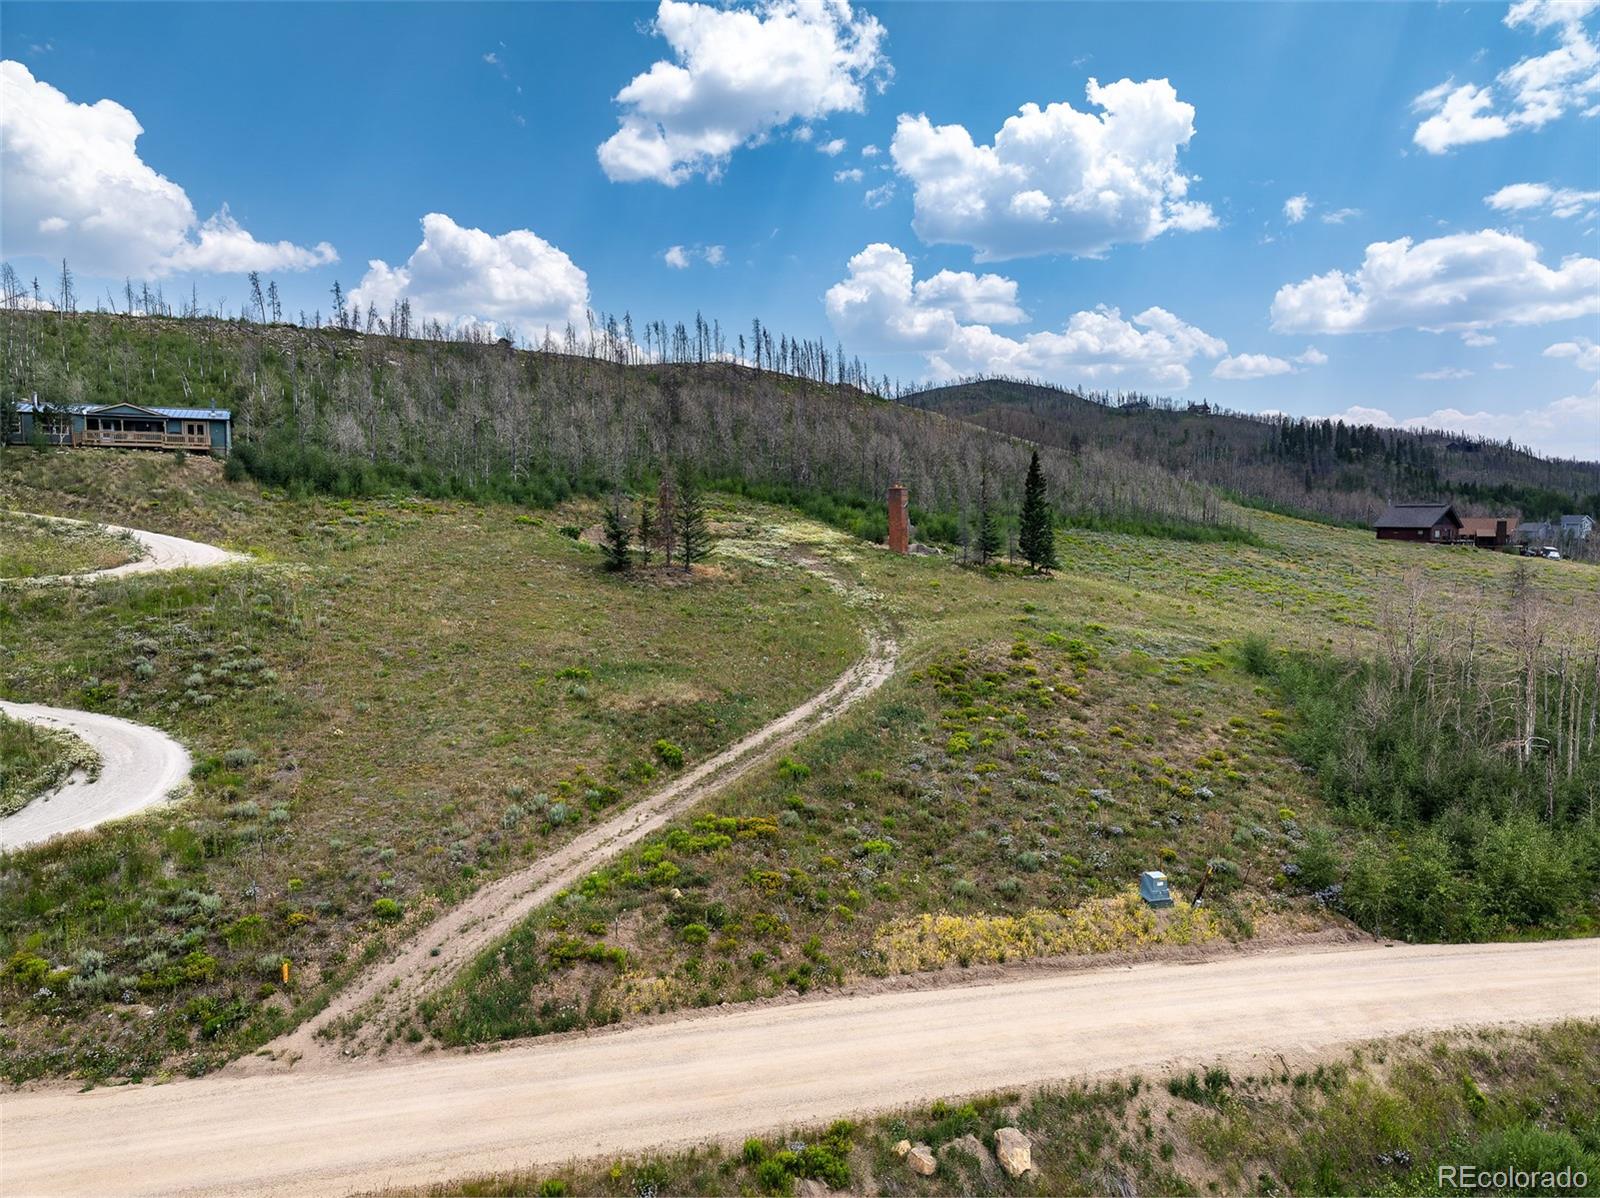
693, 537
1036, 535
647, 527
618, 543
988, 528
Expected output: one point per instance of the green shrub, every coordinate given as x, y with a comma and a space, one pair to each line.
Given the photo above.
1255, 655
670, 754
387, 910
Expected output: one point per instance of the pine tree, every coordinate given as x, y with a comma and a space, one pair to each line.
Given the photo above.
618, 543
988, 528
1036, 535
647, 527
693, 537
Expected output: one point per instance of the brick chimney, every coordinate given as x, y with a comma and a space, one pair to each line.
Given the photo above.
899, 521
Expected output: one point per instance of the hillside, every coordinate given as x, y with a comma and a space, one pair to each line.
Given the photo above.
1323, 468
352, 414
397, 703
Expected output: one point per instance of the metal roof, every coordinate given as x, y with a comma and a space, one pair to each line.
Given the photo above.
1416, 515
90, 409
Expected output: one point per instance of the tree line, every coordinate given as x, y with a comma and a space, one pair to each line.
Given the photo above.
323, 408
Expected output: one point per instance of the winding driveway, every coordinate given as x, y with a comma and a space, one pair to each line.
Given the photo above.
140, 766
161, 552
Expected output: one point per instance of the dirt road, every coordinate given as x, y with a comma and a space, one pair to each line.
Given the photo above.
139, 767
161, 552
726, 1075
433, 956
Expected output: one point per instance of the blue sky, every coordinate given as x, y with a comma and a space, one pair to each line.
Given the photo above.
1275, 207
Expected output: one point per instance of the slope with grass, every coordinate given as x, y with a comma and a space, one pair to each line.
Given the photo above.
1047, 741
368, 700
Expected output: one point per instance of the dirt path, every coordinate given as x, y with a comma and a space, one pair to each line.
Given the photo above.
161, 552
431, 958
139, 767
723, 1076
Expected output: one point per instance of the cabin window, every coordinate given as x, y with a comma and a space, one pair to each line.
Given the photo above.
1436, 534
194, 428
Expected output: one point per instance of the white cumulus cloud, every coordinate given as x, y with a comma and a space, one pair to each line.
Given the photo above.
853, 175
681, 257
1295, 208
833, 148
1445, 374
76, 188
1241, 367
1251, 366
735, 76
1527, 95
948, 317
462, 276
1563, 202
1585, 354
1456, 282
1056, 180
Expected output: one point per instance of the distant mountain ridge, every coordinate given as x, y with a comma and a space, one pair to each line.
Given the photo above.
1324, 468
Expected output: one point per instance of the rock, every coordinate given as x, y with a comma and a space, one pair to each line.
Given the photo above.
901, 1148
920, 1160
810, 1187
1014, 1149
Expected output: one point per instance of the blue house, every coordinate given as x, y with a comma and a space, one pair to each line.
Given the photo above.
122, 425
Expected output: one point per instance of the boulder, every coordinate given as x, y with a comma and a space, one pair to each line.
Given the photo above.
810, 1187
920, 1160
1014, 1149
901, 1148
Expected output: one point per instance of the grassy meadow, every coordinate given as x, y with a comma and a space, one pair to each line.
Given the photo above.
1378, 1119
400, 698
367, 703
1044, 742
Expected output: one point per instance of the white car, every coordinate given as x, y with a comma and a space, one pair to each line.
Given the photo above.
1551, 552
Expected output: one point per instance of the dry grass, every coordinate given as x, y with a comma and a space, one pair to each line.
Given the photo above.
397, 701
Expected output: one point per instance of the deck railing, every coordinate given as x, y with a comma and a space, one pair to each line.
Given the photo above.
162, 440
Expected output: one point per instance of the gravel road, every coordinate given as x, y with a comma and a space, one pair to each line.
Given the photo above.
725, 1075
139, 766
